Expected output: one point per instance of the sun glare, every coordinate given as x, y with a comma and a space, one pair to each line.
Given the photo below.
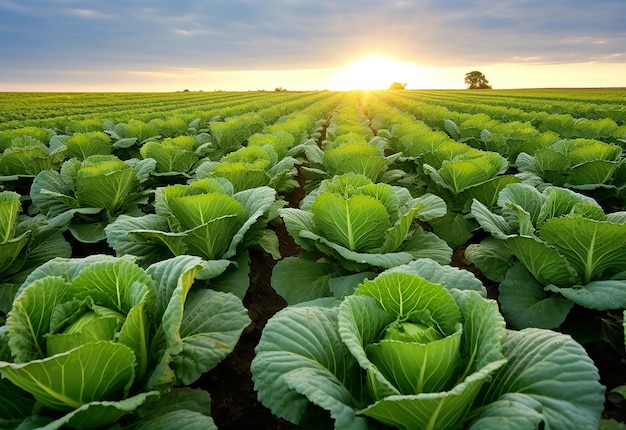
376, 73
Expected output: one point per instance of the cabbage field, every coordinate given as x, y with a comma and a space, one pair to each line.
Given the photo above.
275, 260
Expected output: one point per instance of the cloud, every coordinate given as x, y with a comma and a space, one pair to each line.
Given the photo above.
100, 35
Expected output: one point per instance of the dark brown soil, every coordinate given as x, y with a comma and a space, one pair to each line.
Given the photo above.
234, 403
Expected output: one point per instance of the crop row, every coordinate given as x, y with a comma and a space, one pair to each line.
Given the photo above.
127, 241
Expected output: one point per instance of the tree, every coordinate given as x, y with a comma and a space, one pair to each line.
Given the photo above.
397, 86
475, 80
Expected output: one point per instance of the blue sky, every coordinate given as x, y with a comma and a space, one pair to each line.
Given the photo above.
244, 44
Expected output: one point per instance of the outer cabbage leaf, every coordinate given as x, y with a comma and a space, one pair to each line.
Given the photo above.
211, 326
180, 407
83, 333
83, 145
455, 228
591, 175
87, 373
16, 404
495, 224
599, 295
545, 262
175, 278
12, 243
358, 223
426, 208
492, 257
259, 206
186, 419
52, 193
553, 381
290, 273
300, 359
525, 303
98, 414
593, 248
145, 237
432, 411
448, 276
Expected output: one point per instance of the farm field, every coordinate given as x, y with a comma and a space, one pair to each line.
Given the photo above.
288, 257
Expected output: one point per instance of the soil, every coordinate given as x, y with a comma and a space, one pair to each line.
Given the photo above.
233, 400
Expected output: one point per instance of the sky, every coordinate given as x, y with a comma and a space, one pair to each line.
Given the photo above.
242, 45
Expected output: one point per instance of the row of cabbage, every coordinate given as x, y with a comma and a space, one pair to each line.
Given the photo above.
379, 329
359, 357
97, 339
60, 110
514, 104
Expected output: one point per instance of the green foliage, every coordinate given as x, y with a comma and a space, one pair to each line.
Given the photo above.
253, 166
205, 218
582, 164
230, 134
25, 243
375, 335
419, 347
357, 225
476, 80
460, 174
87, 195
83, 145
567, 251
173, 155
110, 337
8, 136
27, 156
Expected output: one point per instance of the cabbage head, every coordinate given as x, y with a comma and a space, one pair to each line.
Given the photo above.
88, 341
27, 156
353, 225
205, 218
91, 193
550, 250
253, 166
419, 347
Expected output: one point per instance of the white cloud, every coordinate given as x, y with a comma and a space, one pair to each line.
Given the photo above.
307, 34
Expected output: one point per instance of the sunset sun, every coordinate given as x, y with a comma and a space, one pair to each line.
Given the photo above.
375, 73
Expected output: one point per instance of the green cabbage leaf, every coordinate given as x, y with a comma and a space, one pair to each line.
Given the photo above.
419, 346
87, 195
92, 340
571, 250
356, 225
